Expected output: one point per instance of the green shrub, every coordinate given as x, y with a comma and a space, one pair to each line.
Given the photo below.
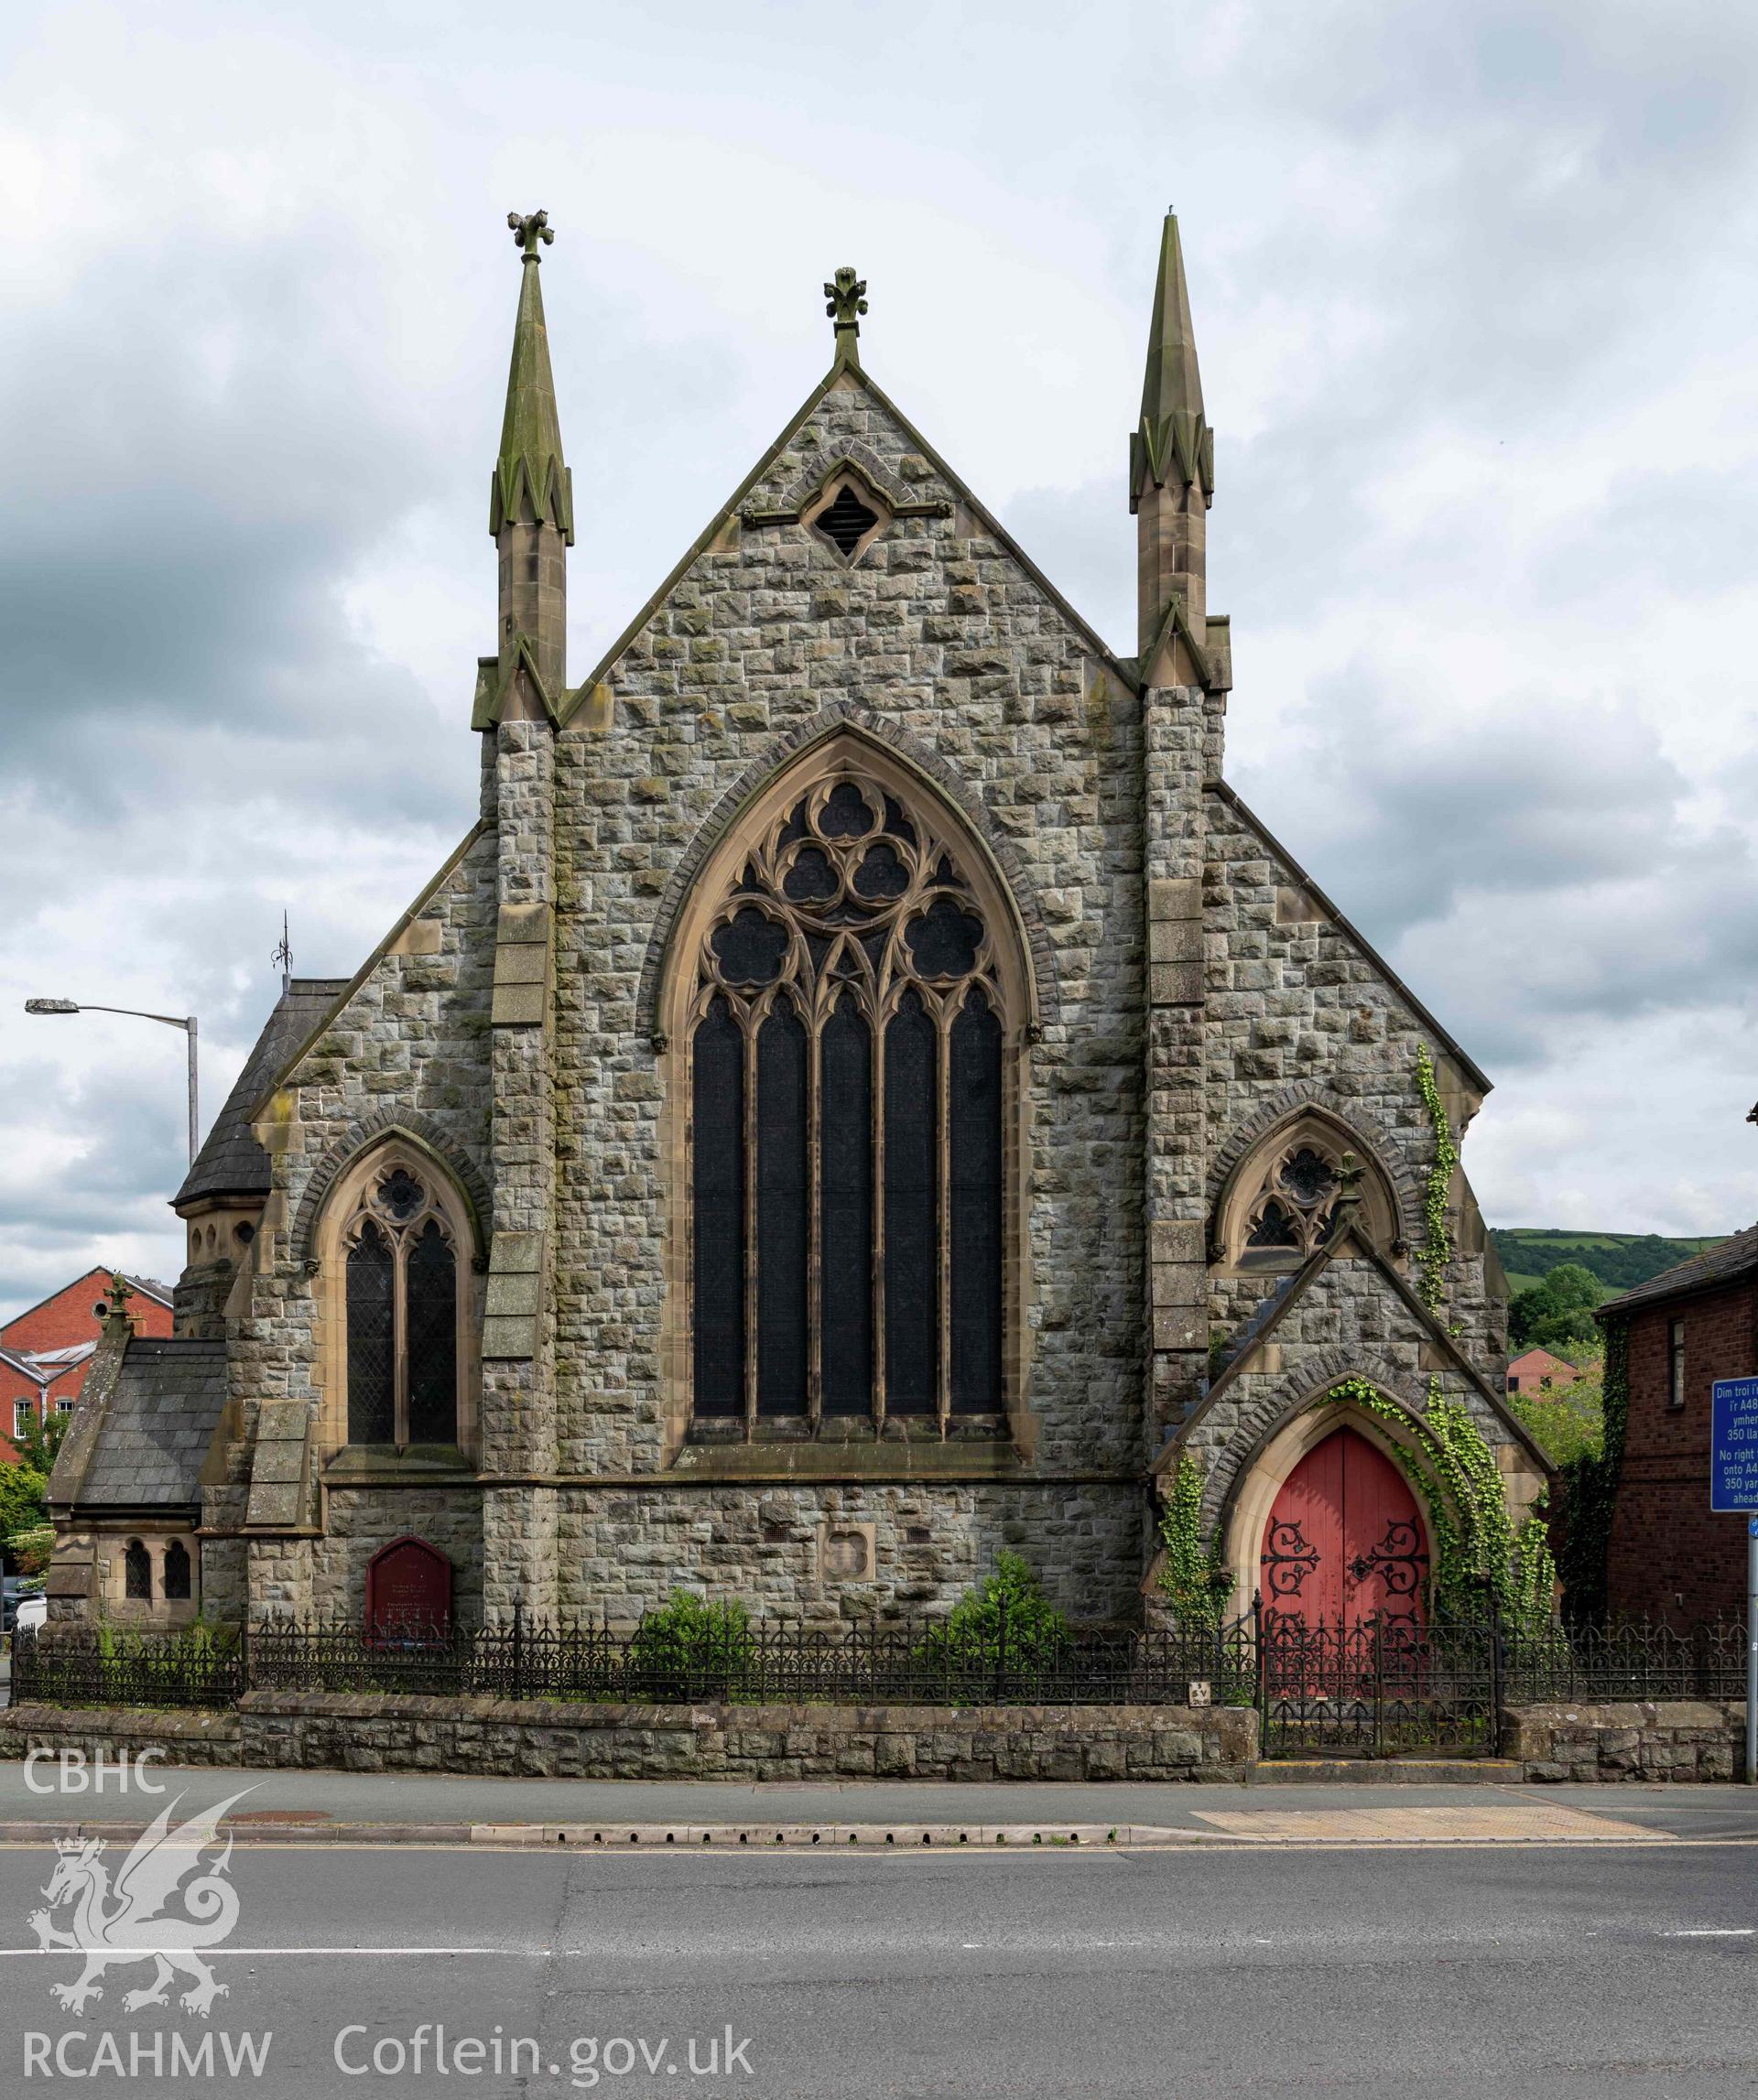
687, 1641
1010, 1604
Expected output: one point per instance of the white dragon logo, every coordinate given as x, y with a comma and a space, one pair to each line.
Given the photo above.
127, 1922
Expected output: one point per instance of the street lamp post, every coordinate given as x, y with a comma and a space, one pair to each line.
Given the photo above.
186, 1023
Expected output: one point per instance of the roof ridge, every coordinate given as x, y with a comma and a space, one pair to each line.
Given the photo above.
1121, 667
1723, 1263
1235, 801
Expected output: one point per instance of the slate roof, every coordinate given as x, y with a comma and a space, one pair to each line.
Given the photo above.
231, 1163
158, 1425
1733, 1258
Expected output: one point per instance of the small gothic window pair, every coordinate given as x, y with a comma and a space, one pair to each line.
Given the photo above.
402, 1304
846, 1090
137, 1571
1295, 1204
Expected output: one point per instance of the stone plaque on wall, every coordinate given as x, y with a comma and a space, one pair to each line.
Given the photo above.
408, 1589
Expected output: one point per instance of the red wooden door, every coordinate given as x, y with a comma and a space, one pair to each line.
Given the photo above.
1345, 1542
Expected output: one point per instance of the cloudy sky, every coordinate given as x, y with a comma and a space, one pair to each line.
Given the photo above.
1475, 301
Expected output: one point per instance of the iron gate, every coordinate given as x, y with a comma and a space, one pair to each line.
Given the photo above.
1383, 1687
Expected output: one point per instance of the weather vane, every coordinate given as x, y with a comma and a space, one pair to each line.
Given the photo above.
529, 230
283, 955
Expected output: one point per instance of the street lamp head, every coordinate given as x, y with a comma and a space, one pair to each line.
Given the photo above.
51, 1006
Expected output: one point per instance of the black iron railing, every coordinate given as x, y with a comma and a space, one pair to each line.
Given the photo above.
1374, 1686
924, 1662
101, 1666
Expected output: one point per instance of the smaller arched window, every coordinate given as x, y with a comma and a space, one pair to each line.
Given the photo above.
136, 1570
1279, 1205
401, 1303
177, 1570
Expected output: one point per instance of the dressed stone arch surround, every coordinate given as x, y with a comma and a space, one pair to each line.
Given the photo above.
1258, 1479
1391, 1219
853, 453
780, 756
1252, 1423
815, 983
1270, 1434
346, 1197
425, 1135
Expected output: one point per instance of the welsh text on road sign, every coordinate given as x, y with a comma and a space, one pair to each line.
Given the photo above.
1733, 1444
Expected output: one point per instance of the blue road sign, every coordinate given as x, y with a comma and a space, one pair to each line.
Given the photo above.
1733, 1444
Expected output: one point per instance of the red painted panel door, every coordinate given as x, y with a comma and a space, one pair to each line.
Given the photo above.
1345, 1542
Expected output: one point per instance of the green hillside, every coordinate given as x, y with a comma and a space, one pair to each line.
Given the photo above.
1619, 1259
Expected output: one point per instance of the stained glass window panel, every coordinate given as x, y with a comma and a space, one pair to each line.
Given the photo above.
912, 1252
976, 1217
845, 1165
430, 1281
718, 1113
943, 942
372, 1393
781, 1214
751, 946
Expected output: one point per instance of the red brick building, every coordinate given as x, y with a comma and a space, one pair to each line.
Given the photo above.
46, 1351
1535, 1371
1670, 1555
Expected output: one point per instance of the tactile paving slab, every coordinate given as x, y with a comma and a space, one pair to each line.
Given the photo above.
1465, 1822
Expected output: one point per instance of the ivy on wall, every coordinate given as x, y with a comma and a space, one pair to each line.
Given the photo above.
1475, 1538
1437, 1249
1590, 1489
1191, 1572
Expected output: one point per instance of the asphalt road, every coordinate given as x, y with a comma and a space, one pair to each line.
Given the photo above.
1517, 1970
417, 1797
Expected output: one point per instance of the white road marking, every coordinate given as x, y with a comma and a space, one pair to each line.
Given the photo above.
1712, 1932
15, 1954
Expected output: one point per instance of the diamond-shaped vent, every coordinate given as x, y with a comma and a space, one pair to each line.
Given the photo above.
847, 522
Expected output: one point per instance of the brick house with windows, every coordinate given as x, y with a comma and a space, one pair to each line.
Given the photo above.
866, 1092
1537, 1370
46, 1351
1669, 1556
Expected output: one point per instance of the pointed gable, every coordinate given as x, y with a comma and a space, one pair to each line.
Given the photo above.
846, 431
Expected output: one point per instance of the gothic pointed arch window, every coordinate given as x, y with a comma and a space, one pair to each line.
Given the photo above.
1279, 1205
398, 1246
849, 994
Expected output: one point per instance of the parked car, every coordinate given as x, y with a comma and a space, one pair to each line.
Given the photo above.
32, 1612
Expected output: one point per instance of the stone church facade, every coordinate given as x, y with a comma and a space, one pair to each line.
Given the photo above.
865, 1095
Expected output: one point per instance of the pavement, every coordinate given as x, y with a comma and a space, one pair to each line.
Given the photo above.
1542, 1972
327, 1807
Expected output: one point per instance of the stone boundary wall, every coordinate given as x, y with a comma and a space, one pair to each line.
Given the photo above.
1682, 1740
1677, 1739
541, 1738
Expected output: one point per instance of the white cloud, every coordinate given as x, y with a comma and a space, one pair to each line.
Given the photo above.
1475, 336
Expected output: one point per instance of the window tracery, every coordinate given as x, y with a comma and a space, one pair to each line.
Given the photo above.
401, 1312
847, 1012
1281, 1205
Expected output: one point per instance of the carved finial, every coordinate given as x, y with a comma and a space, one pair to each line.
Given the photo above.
528, 231
118, 1293
1349, 1184
847, 299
